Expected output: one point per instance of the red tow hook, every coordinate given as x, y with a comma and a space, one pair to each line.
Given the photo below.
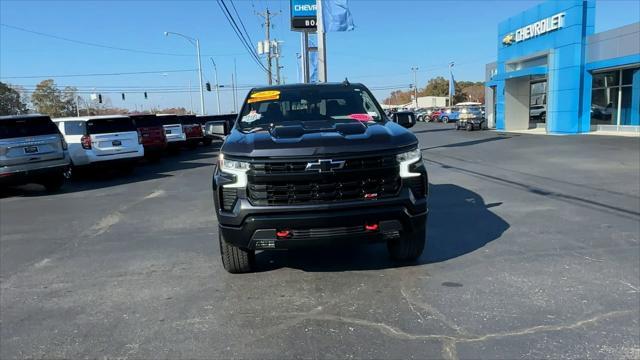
283, 233
371, 227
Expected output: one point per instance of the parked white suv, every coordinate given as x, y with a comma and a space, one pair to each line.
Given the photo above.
173, 129
96, 139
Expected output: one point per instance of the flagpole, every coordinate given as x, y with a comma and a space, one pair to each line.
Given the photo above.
322, 51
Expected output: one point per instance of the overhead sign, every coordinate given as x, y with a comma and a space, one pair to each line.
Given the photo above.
303, 15
536, 29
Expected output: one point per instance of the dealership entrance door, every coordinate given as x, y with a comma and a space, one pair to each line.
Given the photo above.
538, 102
525, 102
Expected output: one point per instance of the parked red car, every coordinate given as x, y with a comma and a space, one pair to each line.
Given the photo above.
151, 133
192, 129
435, 114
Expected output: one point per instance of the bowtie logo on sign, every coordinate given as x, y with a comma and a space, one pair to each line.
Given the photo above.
536, 29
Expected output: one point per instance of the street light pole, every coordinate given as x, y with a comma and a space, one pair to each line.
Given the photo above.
196, 43
215, 74
200, 78
415, 86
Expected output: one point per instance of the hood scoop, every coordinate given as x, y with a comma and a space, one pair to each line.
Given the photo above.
297, 131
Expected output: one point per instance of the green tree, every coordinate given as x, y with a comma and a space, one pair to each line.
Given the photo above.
437, 86
10, 101
48, 99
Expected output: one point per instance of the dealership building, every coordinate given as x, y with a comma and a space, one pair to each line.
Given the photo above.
554, 72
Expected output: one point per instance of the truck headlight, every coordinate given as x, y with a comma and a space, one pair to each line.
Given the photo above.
406, 159
234, 167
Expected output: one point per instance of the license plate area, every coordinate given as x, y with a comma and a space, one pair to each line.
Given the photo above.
116, 143
30, 149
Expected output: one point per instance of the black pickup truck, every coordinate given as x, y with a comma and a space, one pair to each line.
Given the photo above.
310, 164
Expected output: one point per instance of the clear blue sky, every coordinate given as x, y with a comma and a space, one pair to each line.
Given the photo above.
390, 37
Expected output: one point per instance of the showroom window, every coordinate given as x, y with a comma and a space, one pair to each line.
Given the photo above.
612, 98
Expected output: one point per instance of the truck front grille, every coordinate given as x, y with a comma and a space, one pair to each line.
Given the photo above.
282, 183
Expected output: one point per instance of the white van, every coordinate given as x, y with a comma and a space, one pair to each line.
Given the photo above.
96, 139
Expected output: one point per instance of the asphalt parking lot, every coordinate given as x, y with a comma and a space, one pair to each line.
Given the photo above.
533, 251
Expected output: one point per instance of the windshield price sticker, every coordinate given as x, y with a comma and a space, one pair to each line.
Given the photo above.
264, 96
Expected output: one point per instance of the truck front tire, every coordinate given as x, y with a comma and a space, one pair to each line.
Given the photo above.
234, 259
409, 246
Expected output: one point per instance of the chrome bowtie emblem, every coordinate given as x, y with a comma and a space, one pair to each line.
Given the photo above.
325, 165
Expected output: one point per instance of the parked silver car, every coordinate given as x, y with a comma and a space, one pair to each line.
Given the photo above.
32, 150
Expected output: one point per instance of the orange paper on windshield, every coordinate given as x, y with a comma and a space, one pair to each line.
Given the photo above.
264, 96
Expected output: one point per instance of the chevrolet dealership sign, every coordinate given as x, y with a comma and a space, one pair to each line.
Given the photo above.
536, 29
303, 15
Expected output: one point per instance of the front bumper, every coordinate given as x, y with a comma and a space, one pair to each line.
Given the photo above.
255, 227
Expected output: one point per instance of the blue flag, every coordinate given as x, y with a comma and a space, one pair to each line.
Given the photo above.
313, 67
336, 15
452, 82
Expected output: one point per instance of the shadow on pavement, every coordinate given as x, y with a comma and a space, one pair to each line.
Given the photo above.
459, 223
91, 178
468, 143
433, 130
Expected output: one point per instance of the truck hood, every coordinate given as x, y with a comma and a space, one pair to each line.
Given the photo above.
318, 138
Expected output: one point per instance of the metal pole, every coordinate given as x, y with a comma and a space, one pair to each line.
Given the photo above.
215, 74
190, 98
298, 58
200, 77
277, 56
235, 86
305, 58
78, 106
267, 27
415, 86
322, 50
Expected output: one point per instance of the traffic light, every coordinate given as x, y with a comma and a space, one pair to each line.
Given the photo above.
145, 95
208, 86
122, 96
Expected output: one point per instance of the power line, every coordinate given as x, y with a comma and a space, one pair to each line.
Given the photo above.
99, 74
241, 23
236, 30
87, 43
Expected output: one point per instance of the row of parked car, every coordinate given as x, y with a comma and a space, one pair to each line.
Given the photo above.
469, 117
38, 149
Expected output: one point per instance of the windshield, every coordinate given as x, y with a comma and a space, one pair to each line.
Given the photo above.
23, 127
105, 126
146, 121
332, 103
168, 119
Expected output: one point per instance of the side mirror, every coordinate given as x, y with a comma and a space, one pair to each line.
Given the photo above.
405, 119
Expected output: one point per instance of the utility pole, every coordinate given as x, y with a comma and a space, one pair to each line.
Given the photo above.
415, 86
276, 45
267, 25
215, 73
322, 49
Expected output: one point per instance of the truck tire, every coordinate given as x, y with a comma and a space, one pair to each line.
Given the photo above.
445, 119
54, 183
234, 259
409, 246
469, 126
